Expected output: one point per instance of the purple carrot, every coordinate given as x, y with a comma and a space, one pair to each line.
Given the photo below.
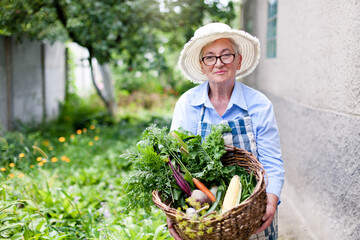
180, 180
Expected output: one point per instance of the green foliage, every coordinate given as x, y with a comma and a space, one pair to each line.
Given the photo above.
74, 191
145, 39
36, 18
150, 169
204, 161
111, 27
80, 112
214, 141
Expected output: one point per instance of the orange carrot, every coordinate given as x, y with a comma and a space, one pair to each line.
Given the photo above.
204, 189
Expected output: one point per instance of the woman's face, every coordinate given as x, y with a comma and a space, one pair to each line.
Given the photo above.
220, 72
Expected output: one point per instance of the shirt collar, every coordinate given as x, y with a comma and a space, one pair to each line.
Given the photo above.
201, 95
237, 96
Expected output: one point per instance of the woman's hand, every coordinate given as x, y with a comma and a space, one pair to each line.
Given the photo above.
172, 230
272, 201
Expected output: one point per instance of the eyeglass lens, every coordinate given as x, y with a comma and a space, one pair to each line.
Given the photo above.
225, 59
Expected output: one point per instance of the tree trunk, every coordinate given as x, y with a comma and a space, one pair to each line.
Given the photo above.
108, 85
109, 99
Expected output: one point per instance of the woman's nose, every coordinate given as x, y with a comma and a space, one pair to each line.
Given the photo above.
218, 63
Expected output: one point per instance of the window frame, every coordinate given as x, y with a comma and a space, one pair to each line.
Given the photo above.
271, 35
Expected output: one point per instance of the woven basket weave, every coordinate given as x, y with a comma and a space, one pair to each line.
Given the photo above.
240, 222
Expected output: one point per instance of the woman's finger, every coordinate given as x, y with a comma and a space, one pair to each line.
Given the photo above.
267, 218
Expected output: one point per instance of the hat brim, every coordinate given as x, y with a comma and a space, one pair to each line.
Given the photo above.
189, 60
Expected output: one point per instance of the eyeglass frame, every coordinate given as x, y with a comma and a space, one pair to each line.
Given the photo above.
219, 57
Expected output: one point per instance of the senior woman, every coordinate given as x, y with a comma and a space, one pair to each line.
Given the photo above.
215, 57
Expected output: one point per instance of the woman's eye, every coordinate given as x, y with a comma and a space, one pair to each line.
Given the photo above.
226, 56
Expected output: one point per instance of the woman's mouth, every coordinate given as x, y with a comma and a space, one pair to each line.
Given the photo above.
220, 72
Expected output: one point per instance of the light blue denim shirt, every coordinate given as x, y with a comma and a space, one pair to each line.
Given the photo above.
243, 98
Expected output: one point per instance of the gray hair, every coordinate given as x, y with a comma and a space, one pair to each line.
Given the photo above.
234, 45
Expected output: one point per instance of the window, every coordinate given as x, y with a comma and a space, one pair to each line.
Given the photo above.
271, 29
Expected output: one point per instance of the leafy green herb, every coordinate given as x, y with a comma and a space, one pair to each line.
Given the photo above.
149, 169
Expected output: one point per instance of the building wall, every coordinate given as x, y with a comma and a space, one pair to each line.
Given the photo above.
3, 93
55, 75
37, 81
27, 81
314, 84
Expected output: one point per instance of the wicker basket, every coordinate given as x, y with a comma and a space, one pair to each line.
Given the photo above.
237, 223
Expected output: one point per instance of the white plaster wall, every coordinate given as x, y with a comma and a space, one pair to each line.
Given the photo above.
314, 84
318, 54
26, 79
55, 76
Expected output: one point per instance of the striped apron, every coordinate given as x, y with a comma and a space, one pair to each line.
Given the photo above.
241, 136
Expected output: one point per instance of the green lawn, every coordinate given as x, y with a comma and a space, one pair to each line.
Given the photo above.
69, 185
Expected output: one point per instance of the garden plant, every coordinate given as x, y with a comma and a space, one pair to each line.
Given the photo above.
63, 182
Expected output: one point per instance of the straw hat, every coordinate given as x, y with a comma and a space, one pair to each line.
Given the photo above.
189, 61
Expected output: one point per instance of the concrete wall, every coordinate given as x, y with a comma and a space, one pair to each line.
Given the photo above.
37, 81
27, 81
3, 93
314, 84
55, 75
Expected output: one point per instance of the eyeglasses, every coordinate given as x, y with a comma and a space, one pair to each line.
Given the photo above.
225, 59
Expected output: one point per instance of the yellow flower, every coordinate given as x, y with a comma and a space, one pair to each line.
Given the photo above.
96, 138
51, 148
91, 143
72, 136
11, 175
41, 164
3, 169
79, 131
65, 159
44, 160
84, 130
32, 166
12, 164
62, 139
92, 127
46, 143
21, 175
21, 155
54, 159
38, 159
